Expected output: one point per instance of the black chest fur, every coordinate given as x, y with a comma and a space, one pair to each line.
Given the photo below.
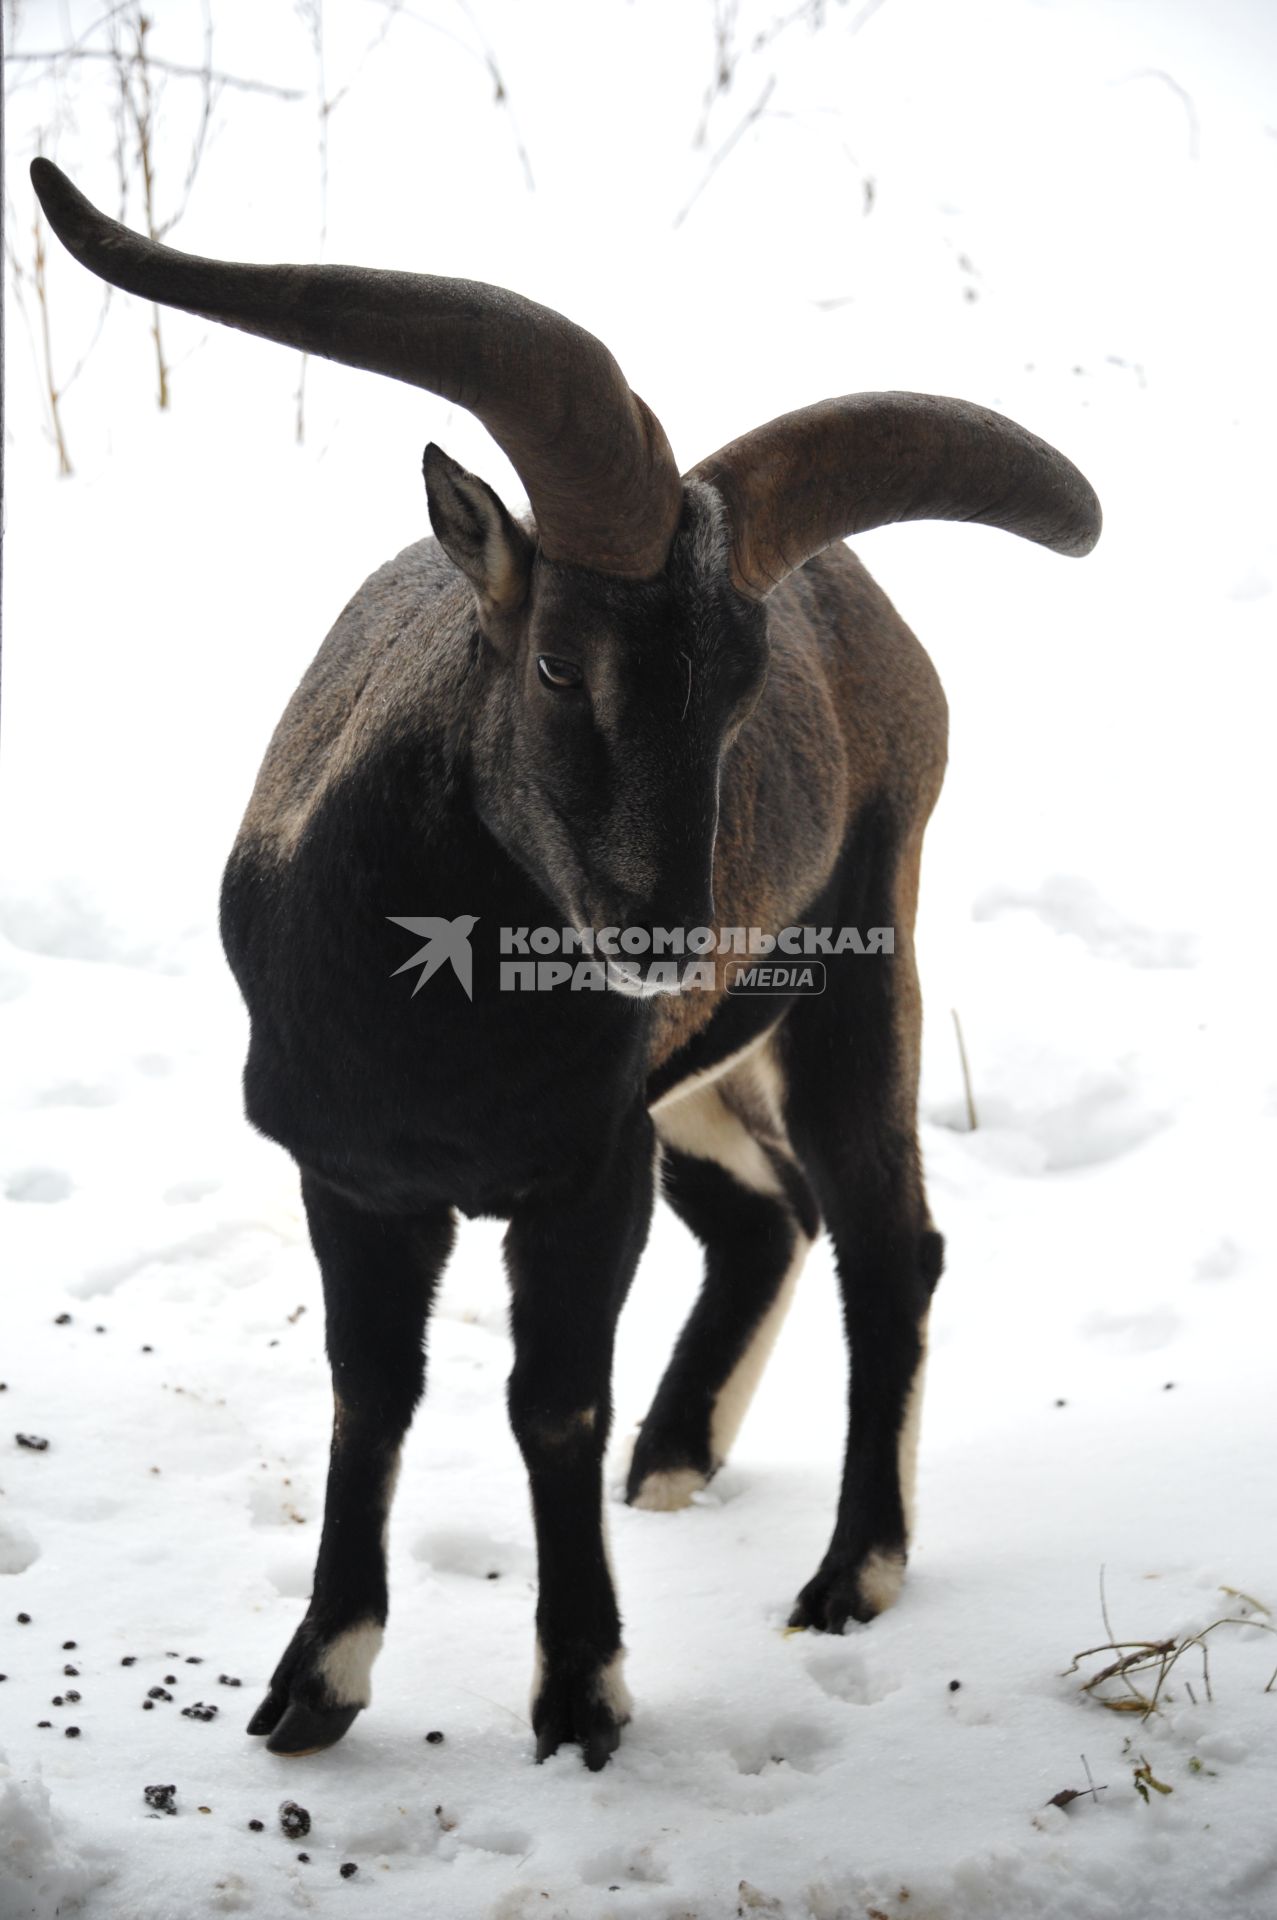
403, 1097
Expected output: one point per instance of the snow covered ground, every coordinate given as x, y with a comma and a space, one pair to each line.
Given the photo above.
1056, 207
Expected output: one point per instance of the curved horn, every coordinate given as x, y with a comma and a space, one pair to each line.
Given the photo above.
844, 466
600, 476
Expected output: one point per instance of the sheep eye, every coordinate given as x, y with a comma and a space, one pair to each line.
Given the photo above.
559, 674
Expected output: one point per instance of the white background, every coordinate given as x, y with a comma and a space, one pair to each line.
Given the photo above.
1059, 208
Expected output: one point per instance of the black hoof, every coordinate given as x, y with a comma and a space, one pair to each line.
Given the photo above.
306, 1729
597, 1745
855, 1589
269, 1714
570, 1713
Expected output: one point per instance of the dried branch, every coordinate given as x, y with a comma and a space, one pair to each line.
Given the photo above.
1182, 94
487, 58
733, 139
69, 55
972, 1121
52, 391
133, 78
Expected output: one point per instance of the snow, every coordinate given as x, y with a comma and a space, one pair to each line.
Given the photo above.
1095, 905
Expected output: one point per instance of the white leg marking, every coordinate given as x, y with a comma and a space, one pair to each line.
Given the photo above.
698, 1082
612, 1690
700, 1123
538, 1675
910, 1427
346, 1664
739, 1388
881, 1579
609, 1687
389, 1484
668, 1492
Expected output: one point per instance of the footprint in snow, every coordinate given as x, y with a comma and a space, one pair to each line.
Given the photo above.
185, 1192
19, 1548
1103, 1118
1135, 1332
292, 1575
792, 1742
477, 1555
77, 1093
497, 1839
1219, 1262
43, 1184
1069, 904
621, 1866
843, 1673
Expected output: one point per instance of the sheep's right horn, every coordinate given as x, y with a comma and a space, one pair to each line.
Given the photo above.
843, 466
602, 482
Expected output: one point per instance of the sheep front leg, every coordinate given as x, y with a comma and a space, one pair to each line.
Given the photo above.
571, 1256
379, 1273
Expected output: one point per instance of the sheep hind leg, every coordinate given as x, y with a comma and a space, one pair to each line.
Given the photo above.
728, 1176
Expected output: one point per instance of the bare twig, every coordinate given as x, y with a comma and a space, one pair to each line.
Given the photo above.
210, 92
732, 140
1145, 1656
174, 67
52, 391
1236, 1593
1182, 93
487, 57
133, 76
972, 1121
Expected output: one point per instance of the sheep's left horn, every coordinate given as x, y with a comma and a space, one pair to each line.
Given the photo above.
841, 467
601, 479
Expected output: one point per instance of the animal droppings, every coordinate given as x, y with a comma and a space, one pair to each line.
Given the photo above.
294, 1820
435, 1738
199, 1712
71, 1672
954, 1685
32, 1442
68, 1646
72, 1733
24, 1619
158, 1693
256, 1826
129, 1660
63, 1320
227, 1680
348, 1868
163, 1799
72, 1695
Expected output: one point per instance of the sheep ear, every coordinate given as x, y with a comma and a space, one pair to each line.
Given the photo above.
477, 533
